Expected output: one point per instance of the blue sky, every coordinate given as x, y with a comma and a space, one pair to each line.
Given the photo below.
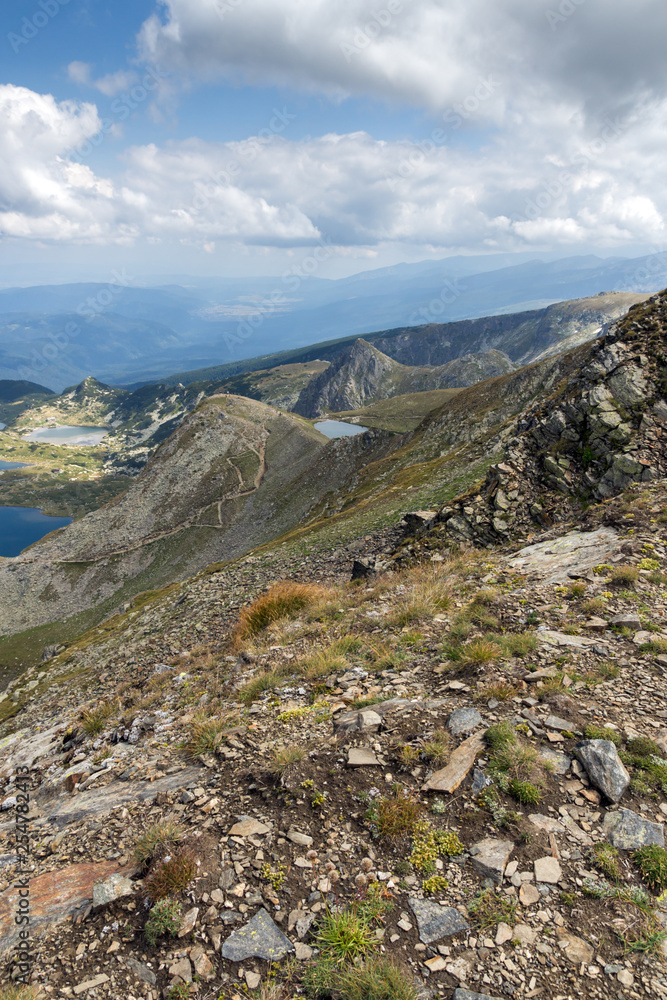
228, 136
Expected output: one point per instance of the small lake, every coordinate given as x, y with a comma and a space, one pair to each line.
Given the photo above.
81, 436
12, 465
338, 428
22, 526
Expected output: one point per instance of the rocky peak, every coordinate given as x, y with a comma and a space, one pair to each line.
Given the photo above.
358, 374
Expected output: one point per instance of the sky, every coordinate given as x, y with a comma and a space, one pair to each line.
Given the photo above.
212, 137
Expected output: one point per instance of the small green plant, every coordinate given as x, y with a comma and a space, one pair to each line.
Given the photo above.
488, 909
434, 884
275, 877
345, 936
429, 844
179, 991
164, 918
479, 651
318, 800
376, 978
607, 860
157, 840
524, 792
407, 756
603, 733
650, 564
438, 807
651, 861
393, 815
437, 748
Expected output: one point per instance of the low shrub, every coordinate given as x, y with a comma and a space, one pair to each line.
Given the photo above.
164, 918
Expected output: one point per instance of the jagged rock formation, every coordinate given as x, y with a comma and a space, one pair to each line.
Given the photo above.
604, 427
361, 374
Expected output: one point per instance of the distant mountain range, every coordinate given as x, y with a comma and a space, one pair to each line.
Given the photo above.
125, 335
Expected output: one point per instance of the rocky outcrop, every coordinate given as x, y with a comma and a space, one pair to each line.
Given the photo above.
362, 375
602, 428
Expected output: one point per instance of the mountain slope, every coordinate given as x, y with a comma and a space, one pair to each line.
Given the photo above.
362, 375
523, 336
603, 428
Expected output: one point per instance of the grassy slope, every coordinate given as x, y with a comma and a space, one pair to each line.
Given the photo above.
400, 413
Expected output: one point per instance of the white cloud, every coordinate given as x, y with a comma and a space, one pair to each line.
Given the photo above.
601, 54
109, 85
603, 186
79, 72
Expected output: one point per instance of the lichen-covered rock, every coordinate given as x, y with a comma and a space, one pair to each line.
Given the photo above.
604, 767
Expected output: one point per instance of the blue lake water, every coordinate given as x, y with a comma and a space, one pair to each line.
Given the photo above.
21, 526
82, 436
12, 465
338, 428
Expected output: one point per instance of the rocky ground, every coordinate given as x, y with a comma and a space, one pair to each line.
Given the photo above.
462, 755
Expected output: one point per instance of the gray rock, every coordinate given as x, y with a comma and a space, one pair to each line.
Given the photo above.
626, 620
141, 971
604, 767
629, 831
435, 922
260, 938
463, 720
361, 757
479, 781
561, 725
461, 994
560, 762
110, 889
490, 857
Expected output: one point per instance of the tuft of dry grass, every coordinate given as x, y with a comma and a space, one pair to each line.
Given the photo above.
623, 575
205, 734
437, 748
394, 815
284, 758
172, 874
429, 593
157, 840
94, 720
480, 651
284, 600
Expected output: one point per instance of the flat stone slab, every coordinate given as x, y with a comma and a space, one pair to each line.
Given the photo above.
604, 767
553, 638
548, 870
358, 757
576, 950
111, 888
628, 831
460, 763
490, 857
464, 720
565, 558
249, 828
54, 898
260, 938
435, 922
